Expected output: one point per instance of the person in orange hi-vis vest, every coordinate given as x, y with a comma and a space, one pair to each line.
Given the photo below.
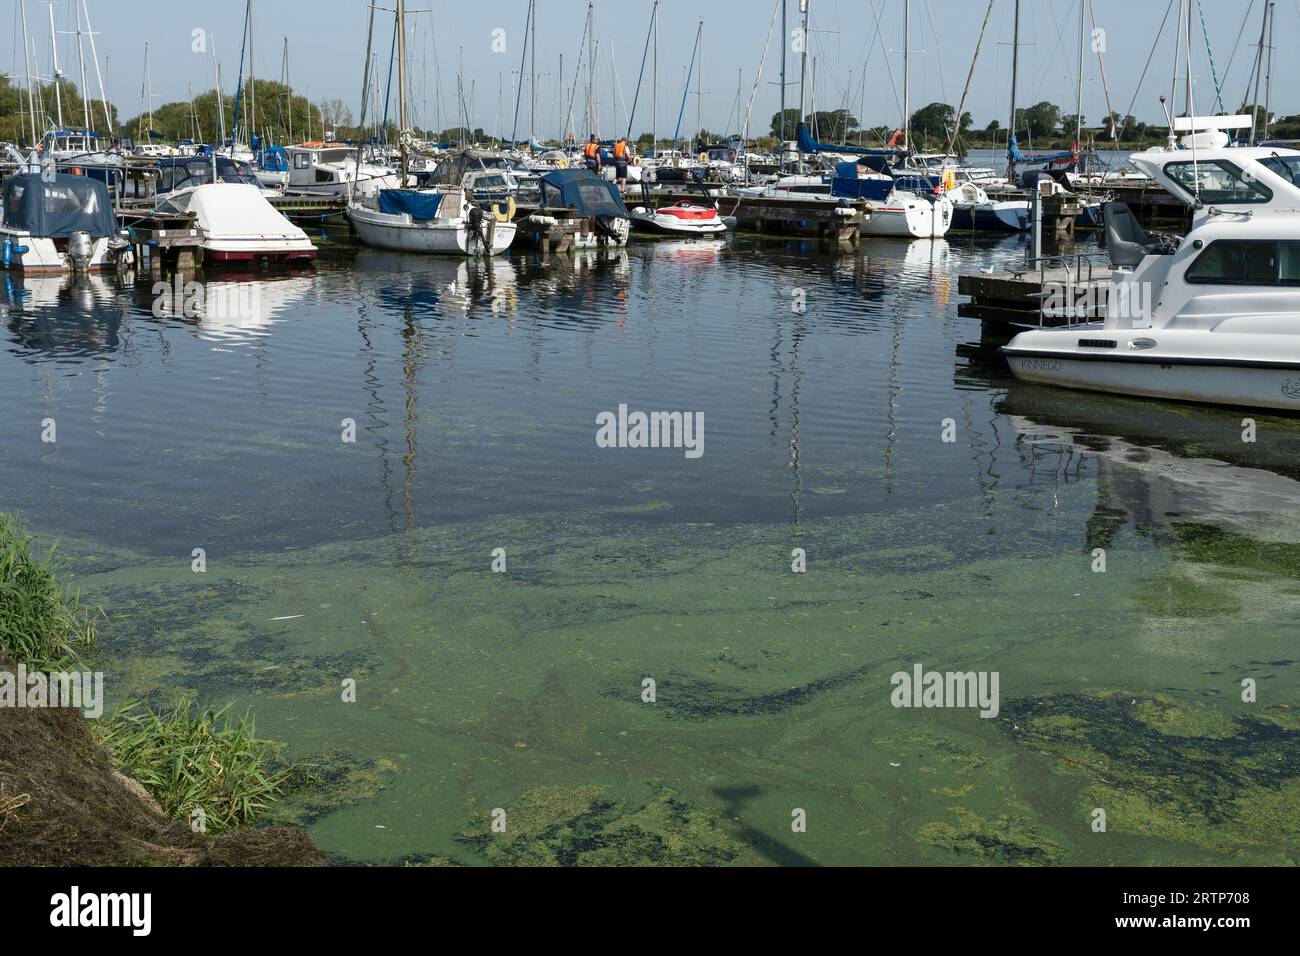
622, 156
592, 153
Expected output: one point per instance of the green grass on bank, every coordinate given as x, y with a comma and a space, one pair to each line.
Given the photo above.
42, 622
188, 759
193, 760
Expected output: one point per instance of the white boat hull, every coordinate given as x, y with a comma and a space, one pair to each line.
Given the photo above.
453, 237
647, 220
911, 218
1263, 373
23, 252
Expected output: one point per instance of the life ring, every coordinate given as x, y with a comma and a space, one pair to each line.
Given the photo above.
508, 214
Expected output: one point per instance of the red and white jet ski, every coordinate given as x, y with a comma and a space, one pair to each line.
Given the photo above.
680, 219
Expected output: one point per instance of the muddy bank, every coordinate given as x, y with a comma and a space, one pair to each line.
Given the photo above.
61, 804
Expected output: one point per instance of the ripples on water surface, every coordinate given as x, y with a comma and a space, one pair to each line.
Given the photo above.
475, 388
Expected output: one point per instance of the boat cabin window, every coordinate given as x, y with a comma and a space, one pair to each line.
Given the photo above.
1220, 182
1247, 262
302, 160
1288, 167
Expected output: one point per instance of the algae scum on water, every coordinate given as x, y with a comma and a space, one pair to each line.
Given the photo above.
519, 699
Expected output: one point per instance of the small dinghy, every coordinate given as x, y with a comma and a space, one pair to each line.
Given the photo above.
684, 218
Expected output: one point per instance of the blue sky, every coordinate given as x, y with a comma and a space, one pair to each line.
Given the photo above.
327, 44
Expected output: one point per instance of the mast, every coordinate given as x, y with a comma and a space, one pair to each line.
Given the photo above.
907, 76
81, 59
591, 68
636, 98
1078, 100
54, 46
784, 10
27, 64
94, 56
806, 7
523, 60
252, 80
654, 89
1268, 77
1015, 69
221, 99
532, 119
401, 86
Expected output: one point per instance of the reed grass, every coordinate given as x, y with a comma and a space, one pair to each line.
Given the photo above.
191, 759
42, 622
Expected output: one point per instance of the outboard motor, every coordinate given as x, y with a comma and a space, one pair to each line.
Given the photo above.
80, 248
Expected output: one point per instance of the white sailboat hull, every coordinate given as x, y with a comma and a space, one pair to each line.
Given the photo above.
909, 218
439, 237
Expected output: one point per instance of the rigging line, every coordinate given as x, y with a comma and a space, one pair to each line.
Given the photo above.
934, 34
1105, 84
1237, 43
898, 103
1218, 90
758, 76
952, 138
1137, 92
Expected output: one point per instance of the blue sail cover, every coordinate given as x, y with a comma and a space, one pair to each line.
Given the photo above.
808, 145
56, 210
421, 207
1016, 156
589, 194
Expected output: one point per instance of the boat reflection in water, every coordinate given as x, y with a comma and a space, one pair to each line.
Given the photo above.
1165, 470
64, 315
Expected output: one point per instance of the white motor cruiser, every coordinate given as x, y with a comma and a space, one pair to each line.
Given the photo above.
332, 169
1212, 318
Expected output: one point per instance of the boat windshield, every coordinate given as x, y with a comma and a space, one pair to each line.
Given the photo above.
1288, 167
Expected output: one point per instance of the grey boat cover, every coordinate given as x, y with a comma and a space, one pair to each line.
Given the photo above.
589, 194
56, 210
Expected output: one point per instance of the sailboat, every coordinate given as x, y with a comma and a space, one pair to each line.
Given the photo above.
440, 220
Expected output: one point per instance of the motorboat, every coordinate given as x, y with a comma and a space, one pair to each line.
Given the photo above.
55, 222
441, 221
238, 224
1213, 317
332, 169
176, 174
78, 151
568, 194
683, 218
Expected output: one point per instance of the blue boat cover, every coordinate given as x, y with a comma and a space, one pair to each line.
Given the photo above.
847, 185
589, 194
421, 207
56, 210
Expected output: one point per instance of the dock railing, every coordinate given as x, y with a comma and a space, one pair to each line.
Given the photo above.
1074, 266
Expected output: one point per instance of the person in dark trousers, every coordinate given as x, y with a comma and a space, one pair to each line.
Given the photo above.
622, 155
592, 153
